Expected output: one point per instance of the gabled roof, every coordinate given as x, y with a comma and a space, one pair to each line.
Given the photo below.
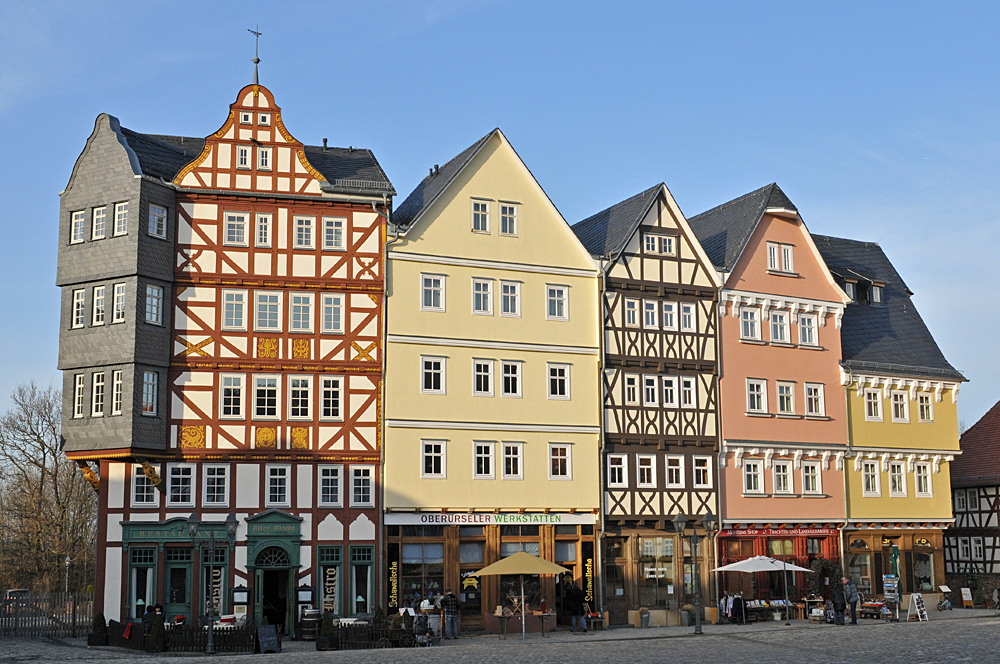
607, 232
347, 170
724, 230
433, 184
889, 337
979, 462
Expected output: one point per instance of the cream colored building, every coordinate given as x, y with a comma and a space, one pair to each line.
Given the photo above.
492, 397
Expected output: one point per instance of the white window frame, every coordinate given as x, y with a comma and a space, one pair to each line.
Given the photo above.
154, 305
226, 484
478, 362
79, 312
631, 312
779, 327
873, 397
619, 467
331, 384
779, 468
552, 295
331, 240
762, 384
514, 298
650, 386
964, 548
689, 392
270, 472
550, 367
783, 384
426, 287
707, 468
154, 495
485, 295
334, 303
118, 304
897, 469
774, 256
263, 158
257, 295
441, 454
672, 464
876, 294
518, 448
977, 549
443, 372
246, 118
264, 119
960, 500
808, 323
688, 317
650, 245
304, 232
669, 313
338, 470
307, 304
157, 226
851, 288
98, 306
750, 321
308, 387
752, 468
650, 315
818, 476
517, 375
150, 393
820, 399
238, 223
869, 468
484, 449
673, 401
787, 258
77, 227
262, 232
479, 211
923, 468
98, 231
193, 477
553, 448
117, 391
925, 400
238, 303
630, 383
973, 499
668, 245
97, 382
243, 153
241, 399
900, 399
277, 397
78, 396
508, 216
645, 462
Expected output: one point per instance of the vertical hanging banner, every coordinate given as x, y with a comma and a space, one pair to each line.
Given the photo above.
330, 578
392, 586
588, 574
213, 577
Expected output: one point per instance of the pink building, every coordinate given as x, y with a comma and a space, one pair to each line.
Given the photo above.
784, 428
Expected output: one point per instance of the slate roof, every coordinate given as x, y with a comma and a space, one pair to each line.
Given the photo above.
979, 462
889, 337
433, 184
724, 230
606, 232
348, 170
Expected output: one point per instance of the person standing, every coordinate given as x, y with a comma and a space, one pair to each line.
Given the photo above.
851, 595
839, 606
575, 599
450, 607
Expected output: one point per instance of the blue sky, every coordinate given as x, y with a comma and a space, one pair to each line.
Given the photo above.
879, 120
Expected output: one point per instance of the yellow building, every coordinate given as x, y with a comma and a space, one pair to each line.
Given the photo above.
492, 401
902, 418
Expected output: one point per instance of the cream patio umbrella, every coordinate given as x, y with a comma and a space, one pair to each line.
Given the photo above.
764, 564
521, 563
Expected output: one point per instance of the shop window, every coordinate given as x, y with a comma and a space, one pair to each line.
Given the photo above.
361, 579
814, 546
511, 587
656, 571
422, 573
737, 549
777, 548
214, 576
519, 531
921, 569
510, 548
142, 578
470, 552
565, 552
330, 559
860, 568
614, 580
858, 544
614, 547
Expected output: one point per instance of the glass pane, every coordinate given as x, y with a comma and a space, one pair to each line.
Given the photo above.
923, 572
860, 569
565, 530
565, 551
470, 530
470, 552
413, 553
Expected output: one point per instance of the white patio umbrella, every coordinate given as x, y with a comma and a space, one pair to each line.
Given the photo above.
763, 564
521, 563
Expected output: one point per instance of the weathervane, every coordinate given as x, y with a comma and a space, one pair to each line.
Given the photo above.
256, 60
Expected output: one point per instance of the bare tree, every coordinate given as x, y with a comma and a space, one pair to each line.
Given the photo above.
48, 511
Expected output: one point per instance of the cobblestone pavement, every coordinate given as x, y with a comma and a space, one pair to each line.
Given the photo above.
946, 638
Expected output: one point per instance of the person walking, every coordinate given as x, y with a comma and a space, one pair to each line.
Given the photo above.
851, 595
839, 606
575, 599
450, 607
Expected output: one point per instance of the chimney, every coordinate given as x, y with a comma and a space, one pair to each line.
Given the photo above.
430, 173
436, 169
324, 144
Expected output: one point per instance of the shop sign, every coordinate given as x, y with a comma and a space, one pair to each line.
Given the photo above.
393, 560
657, 572
330, 588
588, 572
486, 519
775, 532
272, 529
215, 591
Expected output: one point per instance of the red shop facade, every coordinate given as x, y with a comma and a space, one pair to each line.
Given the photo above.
799, 546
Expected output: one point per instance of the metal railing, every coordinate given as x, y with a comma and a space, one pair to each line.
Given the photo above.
47, 614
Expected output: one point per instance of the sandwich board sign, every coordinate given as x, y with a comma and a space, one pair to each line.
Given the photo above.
917, 608
967, 598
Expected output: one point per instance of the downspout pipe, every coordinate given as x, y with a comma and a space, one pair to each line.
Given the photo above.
850, 453
602, 474
386, 214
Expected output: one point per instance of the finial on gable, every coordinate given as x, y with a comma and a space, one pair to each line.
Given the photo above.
256, 60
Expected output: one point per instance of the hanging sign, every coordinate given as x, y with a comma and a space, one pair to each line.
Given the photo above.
330, 588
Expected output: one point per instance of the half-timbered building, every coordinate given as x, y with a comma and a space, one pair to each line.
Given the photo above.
492, 413
660, 401
972, 543
901, 396
249, 288
784, 426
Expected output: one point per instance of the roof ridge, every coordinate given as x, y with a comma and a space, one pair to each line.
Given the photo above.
738, 199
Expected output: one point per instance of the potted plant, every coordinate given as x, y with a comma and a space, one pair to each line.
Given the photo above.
326, 639
99, 631
156, 640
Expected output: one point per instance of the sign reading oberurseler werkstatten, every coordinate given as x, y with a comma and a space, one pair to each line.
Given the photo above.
487, 519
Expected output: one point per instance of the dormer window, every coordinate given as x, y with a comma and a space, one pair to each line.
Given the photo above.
780, 257
876, 294
264, 119
851, 289
246, 118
